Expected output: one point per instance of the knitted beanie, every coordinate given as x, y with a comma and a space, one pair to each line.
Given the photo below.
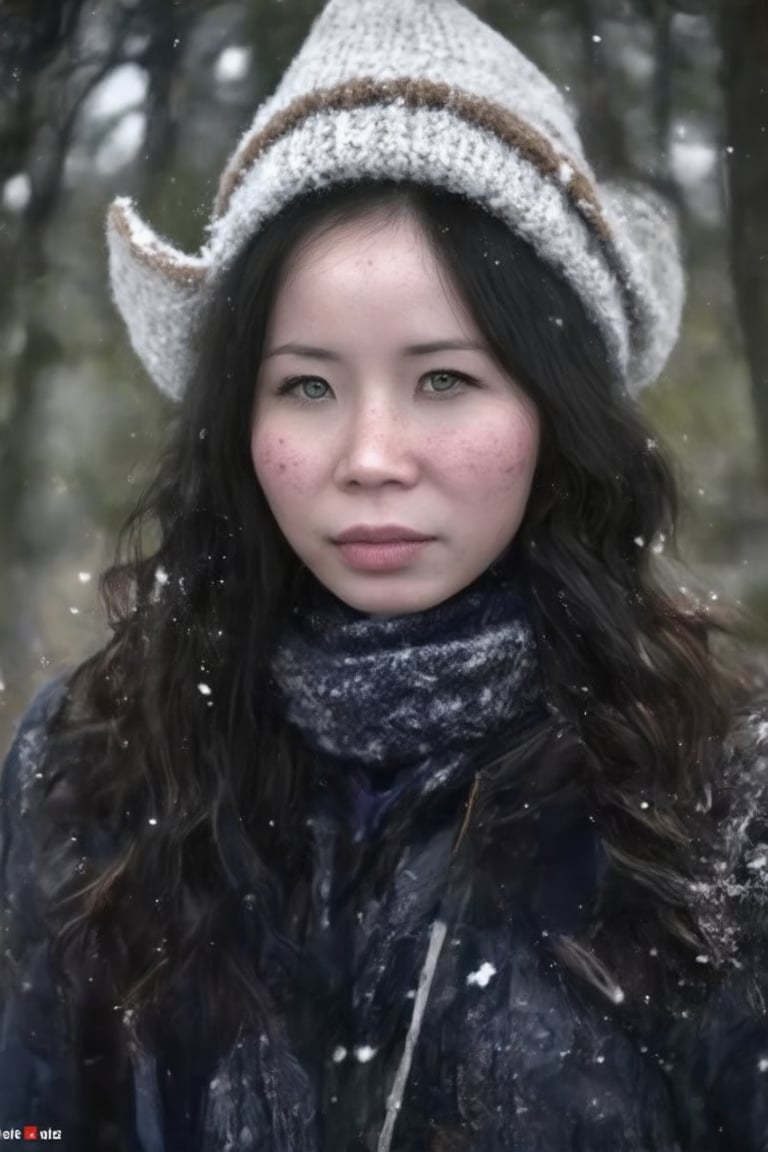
423, 91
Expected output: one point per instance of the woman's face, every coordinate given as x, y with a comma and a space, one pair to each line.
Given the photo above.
378, 404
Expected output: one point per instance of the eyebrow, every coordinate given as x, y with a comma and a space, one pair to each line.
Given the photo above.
309, 351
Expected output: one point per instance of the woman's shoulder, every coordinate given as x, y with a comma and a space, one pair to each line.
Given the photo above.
22, 766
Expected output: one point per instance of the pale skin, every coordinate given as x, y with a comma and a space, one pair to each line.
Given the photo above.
399, 414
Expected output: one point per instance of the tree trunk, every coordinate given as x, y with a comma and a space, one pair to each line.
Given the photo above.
52, 91
601, 124
744, 29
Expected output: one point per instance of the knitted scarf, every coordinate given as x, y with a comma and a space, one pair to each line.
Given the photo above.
409, 699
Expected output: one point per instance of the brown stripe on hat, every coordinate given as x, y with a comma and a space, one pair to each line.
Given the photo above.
152, 256
475, 110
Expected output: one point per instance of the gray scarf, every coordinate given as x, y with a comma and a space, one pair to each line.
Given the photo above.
419, 691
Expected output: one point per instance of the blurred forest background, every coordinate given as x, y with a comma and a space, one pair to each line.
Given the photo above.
148, 97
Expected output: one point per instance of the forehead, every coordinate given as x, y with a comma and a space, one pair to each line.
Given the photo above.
380, 259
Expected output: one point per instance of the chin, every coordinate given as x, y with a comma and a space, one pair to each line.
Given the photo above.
392, 601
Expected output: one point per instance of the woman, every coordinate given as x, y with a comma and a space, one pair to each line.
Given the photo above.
448, 841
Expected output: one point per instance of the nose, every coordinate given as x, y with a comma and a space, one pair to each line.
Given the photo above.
376, 446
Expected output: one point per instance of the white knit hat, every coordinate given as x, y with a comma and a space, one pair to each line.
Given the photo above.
416, 90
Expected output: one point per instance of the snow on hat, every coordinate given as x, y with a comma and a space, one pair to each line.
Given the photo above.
417, 90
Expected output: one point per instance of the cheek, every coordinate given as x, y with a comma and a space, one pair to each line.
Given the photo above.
519, 453
279, 468
496, 458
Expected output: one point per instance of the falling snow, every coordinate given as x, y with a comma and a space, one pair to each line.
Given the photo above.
232, 65
482, 977
123, 89
17, 192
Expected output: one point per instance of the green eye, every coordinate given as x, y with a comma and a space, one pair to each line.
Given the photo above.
293, 385
310, 382
444, 381
440, 379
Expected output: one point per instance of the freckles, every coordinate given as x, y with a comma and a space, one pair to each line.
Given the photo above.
477, 455
513, 451
498, 459
279, 466
458, 455
268, 455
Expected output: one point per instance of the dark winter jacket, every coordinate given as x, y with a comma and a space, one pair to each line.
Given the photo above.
509, 1055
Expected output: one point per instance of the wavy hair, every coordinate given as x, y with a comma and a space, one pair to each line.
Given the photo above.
163, 735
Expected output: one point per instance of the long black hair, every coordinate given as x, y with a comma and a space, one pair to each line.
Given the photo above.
165, 737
